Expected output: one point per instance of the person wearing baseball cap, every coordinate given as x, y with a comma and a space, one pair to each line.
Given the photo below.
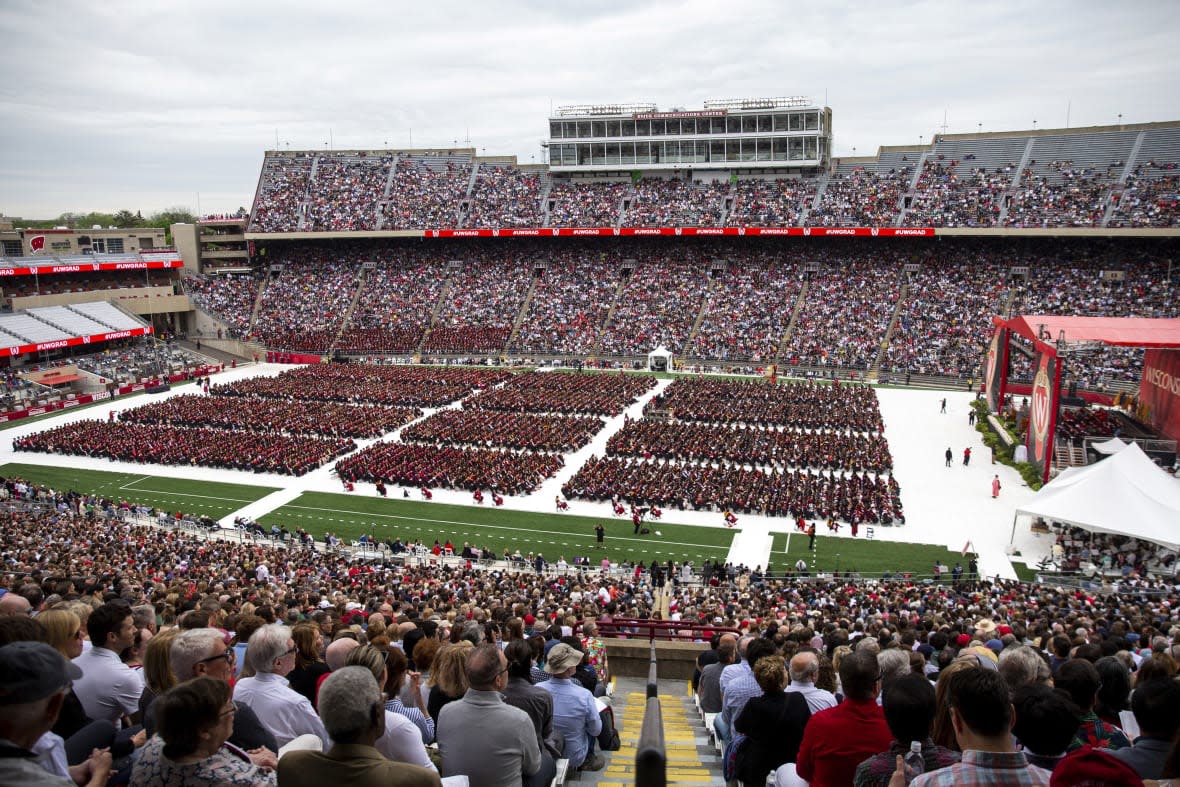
33, 682
575, 714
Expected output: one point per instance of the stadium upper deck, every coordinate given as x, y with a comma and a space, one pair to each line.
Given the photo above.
1093, 178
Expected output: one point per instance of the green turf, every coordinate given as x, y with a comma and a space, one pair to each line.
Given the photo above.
192, 496
867, 557
554, 535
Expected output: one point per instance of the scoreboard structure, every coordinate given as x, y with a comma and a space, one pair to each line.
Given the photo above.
791, 134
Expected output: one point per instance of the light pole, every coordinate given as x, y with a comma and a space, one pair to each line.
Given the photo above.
980, 128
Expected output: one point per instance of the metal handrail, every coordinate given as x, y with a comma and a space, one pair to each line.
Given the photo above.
651, 756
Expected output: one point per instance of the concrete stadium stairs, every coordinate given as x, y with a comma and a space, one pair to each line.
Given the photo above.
692, 759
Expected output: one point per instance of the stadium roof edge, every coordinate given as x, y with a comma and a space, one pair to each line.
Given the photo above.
1050, 132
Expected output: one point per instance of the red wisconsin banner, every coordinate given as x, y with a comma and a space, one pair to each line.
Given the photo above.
1159, 391
93, 267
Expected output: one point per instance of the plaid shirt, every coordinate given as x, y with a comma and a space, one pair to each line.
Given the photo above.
986, 769
877, 770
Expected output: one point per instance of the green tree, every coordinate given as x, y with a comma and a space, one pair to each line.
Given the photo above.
126, 218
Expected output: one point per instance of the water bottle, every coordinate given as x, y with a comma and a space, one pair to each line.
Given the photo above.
913, 761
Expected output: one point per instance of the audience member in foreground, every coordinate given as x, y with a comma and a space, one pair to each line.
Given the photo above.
286, 713
909, 711
482, 737
194, 720
839, 739
982, 717
354, 715
574, 711
34, 679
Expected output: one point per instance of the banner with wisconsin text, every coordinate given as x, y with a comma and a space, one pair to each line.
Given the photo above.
1042, 405
995, 361
1159, 391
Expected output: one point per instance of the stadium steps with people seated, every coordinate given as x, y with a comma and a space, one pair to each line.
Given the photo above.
356, 296
785, 342
1014, 185
711, 290
610, 315
692, 759
821, 186
442, 298
257, 303
520, 315
875, 369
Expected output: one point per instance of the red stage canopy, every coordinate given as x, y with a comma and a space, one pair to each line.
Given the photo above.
1120, 331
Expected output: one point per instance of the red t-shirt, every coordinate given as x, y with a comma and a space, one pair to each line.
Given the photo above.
838, 739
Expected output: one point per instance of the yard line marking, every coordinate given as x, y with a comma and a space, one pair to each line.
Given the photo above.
188, 494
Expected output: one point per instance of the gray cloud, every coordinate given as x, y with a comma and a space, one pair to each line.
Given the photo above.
141, 106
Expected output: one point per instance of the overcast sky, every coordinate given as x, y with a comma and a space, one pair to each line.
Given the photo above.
143, 106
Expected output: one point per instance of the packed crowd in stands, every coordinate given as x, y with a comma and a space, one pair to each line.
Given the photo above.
799, 405
392, 385
1109, 555
861, 198
304, 306
488, 428
939, 326
230, 297
747, 312
171, 445
1074, 423
664, 202
345, 193
566, 394
760, 202
592, 204
1148, 198
779, 448
657, 306
269, 415
1068, 198
846, 314
985, 645
569, 304
943, 198
855, 498
505, 197
424, 195
843, 320
282, 191
431, 466
480, 304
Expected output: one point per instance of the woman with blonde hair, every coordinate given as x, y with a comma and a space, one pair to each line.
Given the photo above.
448, 677
157, 667
65, 630
401, 740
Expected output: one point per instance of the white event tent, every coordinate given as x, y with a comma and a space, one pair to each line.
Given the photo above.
1125, 494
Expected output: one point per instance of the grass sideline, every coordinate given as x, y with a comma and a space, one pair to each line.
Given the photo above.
867, 557
210, 498
553, 535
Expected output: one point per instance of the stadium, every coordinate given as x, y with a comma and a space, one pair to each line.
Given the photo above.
781, 378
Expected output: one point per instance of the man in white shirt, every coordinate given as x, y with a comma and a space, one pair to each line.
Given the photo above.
804, 669
282, 710
109, 689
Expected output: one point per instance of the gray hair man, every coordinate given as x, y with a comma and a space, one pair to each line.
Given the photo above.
482, 737
575, 714
354, 715
286, 713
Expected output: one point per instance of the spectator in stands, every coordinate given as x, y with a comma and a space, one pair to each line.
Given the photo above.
1046, 723
108, 688
481, 736
838, 739
400, 739
1154, 705
33, 679
574, 712
981, 713
350, 702
286, 713
1078, 678
909, 706
772, 723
